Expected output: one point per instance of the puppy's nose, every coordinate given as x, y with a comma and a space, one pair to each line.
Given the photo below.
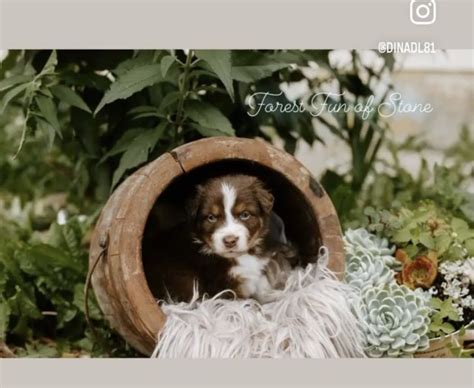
230, 241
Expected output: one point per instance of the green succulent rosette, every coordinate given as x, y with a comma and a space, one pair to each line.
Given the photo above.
363, 270
396, 321
361, 239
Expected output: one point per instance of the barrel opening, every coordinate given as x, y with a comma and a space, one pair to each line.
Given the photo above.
169, 214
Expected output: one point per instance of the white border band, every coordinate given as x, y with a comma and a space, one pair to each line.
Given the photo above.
151, 24
138, 373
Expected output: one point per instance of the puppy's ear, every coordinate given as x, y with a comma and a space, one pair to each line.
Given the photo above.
264, 197
193, 204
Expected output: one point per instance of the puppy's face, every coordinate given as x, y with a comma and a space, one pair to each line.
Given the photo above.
230, 215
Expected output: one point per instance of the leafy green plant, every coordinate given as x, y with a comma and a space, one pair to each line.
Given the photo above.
443, 313
446, 184
392, 186
120, 109
461, 152
425, 227
42, 278
363, 132
458, 350
107, 105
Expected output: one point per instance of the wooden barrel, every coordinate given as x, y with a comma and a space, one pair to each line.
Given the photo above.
119, 279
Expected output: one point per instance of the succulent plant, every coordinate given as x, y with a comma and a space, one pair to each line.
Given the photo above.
396, 321
363, 270
420, 271
356, 239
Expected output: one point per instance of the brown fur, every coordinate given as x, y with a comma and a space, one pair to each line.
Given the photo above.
251, 197
185, 253
180, 265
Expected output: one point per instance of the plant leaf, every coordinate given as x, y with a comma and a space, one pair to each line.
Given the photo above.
208, 132
48, 111
14, 80
5, 312
446, 328
10, 95
442, 243
138, 150
168, 102
402, 236
44, 255
166, 62
459, 225
143, 58
131, 82
123, 143
469, 245
208, 116
50, 64
70, 97
47, 130
468, 207
220, 63
427, 240
436, 303
255, 73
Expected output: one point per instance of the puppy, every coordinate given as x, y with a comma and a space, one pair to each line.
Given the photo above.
230, 218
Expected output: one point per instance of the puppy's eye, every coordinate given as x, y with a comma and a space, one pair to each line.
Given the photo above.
211, 218
245, 215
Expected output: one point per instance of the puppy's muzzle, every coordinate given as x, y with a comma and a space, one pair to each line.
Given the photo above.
230, 241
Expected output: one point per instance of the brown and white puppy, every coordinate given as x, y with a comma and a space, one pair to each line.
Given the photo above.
230, 221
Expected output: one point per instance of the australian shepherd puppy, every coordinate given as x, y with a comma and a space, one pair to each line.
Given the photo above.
230, 223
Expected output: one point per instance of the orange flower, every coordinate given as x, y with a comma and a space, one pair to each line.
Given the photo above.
401, 256
420, 272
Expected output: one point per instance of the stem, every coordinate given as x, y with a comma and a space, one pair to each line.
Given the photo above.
29, 101
184, 91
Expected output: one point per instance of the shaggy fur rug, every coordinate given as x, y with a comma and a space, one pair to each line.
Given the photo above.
316, 317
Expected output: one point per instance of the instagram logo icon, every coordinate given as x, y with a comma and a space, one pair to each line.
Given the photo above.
423, 12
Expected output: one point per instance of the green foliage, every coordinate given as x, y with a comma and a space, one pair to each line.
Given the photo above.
446, 184
69, 96
137, 150
207, 120
457, 350
461, 151
42, 278
174, 94
422, 228
220, 63
392, 187
443, 312
364, 133
180, 95
130, 82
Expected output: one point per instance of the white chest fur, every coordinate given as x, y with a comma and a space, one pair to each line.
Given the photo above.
254, 283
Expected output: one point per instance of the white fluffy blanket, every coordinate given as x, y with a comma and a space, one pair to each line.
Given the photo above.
315, 318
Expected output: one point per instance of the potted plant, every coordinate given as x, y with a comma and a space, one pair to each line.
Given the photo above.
419, 303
